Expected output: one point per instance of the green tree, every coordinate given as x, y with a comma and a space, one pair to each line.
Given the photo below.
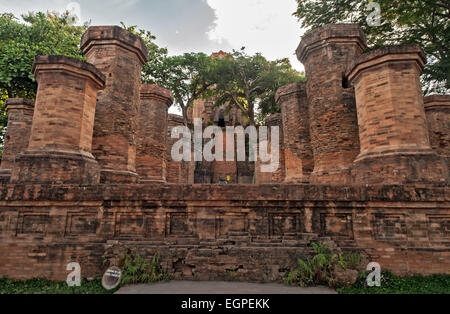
38, 34
423, 22
188, 76
156, 67
250, 82
21, 41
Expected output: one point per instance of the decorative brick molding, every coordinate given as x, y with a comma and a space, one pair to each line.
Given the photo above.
395, 146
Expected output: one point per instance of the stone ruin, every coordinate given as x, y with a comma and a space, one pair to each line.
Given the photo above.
86, 169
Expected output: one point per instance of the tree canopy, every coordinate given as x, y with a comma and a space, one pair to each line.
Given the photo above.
423, 22
38, 34
250, 83
188, 76
20, 41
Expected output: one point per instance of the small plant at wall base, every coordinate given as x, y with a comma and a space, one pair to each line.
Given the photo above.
136, 269
326, 267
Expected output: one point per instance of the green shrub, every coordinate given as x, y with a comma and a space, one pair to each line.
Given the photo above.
136, 269
320, 268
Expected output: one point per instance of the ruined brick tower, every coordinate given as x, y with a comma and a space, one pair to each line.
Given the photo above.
326, 53
364, 158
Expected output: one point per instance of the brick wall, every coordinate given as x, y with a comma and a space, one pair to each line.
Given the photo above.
209, 232
437, 110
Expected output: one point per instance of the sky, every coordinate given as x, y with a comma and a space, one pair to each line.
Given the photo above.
265, 26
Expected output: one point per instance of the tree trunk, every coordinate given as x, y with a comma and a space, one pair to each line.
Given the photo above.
251, 113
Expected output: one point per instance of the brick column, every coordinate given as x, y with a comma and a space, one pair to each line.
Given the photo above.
153, 124
59, 149
299, 161
279, 175
20, 117
119, 55
326, 53
395, 145
437, 110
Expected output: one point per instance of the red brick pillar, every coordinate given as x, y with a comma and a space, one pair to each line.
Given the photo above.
395, 145
153, 125
119, 55
59, 149
326, 52
299, 161
20, 117
277, 176
437, 110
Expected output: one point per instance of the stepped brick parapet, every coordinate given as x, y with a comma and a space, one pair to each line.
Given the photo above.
437, 110
59, 149
299, 161
20, 118
120, 56
326, 52
395, 145
152, 142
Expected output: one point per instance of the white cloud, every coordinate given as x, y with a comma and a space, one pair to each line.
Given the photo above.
265, 26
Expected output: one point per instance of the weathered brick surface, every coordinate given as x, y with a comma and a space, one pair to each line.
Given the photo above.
20, 118
278, 176
177, 172
299, 161
211, 232
119, 55
59, 149
437, 110
325, 53
395, 146
152, 140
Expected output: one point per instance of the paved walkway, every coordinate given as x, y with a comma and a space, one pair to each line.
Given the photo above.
218, 287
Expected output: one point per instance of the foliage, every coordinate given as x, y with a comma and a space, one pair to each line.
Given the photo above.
320, 268
188, 76
248, 82
42, 286
423, 22
156, 67
38, 34
390, 284
136, 269
21, 41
